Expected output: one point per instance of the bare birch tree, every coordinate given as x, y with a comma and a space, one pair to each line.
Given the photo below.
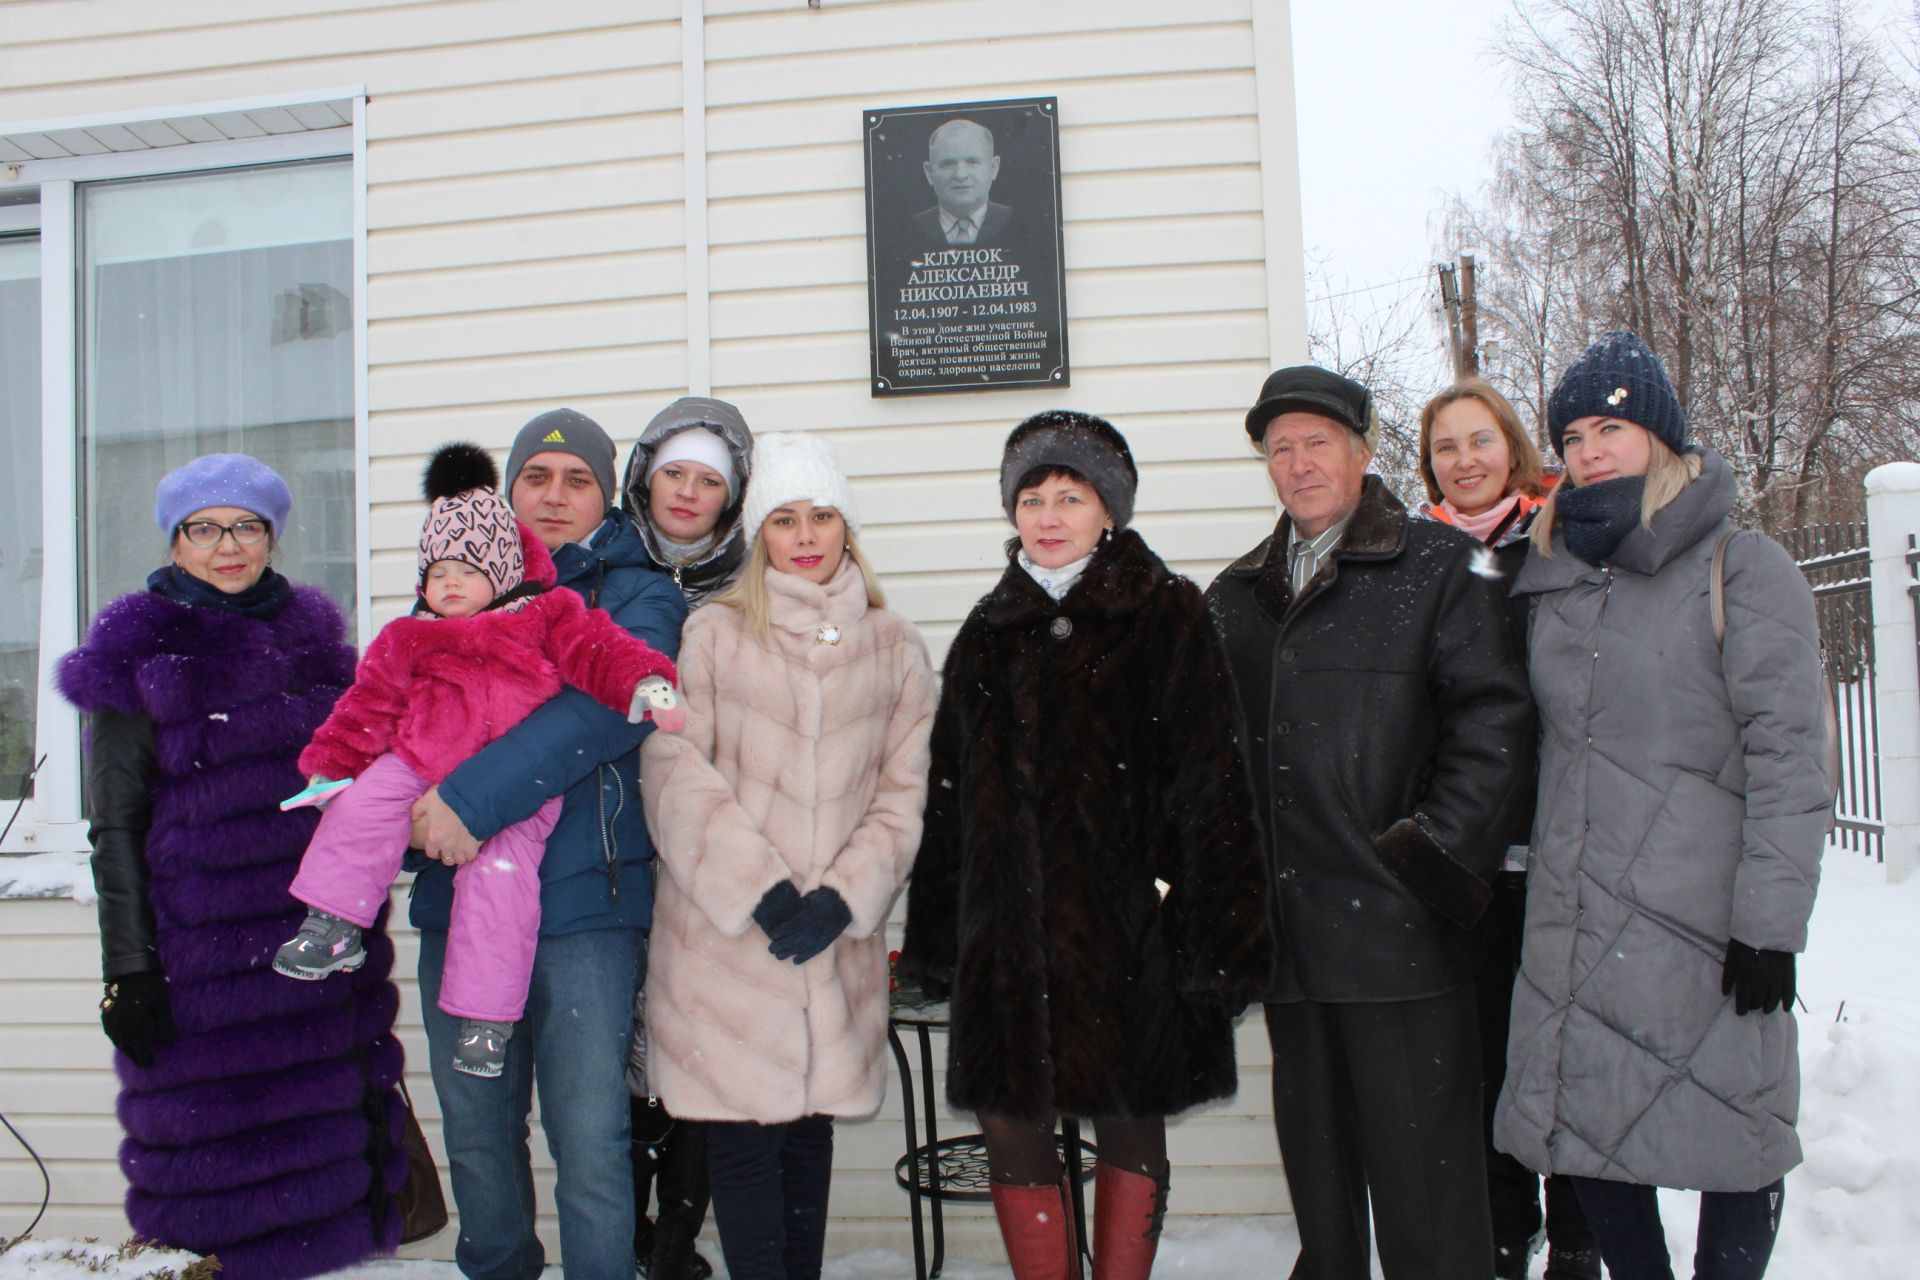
1739, 182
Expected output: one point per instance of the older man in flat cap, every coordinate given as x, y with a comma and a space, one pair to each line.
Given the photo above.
1389, 733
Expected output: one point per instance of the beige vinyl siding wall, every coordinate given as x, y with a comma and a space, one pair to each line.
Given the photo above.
1167, 296
58, 1088
1167, 292
524, 210
525, 248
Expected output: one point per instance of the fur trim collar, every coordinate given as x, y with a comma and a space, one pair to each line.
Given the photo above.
1122, 577
797, 605
1378, 532
141, 627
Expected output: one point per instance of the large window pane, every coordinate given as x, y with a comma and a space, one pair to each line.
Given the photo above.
217, 318
20, 530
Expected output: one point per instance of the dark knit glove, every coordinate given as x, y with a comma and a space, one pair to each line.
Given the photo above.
137, 1015
1233, 1003
777, 906
1758, 981
822, 917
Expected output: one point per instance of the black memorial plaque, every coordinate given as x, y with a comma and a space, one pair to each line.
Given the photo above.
964, 280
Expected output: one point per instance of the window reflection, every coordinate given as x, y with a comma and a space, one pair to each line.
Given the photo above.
20, 514
217, 318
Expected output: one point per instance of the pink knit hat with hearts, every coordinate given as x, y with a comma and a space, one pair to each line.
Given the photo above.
470, 521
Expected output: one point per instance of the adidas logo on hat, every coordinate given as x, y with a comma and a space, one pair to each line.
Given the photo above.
553, 437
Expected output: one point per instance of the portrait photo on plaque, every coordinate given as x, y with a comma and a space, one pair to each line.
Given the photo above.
964, 279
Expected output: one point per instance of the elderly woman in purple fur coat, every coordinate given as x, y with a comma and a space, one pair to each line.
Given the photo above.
263, 1125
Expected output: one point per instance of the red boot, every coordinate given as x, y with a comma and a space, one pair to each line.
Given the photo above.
1037, 1225
1128, 1209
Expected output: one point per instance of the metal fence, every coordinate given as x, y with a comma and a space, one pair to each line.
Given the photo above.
1836, 562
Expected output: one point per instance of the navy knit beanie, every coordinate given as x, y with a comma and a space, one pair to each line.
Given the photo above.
1618, 377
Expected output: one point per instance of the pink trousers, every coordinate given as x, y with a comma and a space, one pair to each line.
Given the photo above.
355, 853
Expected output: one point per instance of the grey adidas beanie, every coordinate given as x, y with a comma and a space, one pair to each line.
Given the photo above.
1079, 442
565, 431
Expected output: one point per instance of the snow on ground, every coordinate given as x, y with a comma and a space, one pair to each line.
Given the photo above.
47, 875
1852, 1210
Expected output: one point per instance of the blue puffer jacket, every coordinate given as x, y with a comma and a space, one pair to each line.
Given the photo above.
595, 875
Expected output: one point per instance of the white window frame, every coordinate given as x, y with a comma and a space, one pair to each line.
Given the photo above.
52, 820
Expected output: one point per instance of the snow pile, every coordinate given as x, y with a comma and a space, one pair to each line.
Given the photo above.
1860, 1124
77, 1258
47, 875
1853, 1209
1208, 1249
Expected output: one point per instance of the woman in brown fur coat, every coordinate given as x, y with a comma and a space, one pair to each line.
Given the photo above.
786, 815
1091, 881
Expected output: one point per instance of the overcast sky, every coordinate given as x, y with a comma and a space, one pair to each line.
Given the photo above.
1398, 101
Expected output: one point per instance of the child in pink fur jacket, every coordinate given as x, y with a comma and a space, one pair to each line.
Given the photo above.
431, 690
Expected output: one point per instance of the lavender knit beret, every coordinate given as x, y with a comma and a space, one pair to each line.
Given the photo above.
222, 480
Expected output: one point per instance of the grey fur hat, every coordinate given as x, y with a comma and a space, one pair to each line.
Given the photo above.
1088, 446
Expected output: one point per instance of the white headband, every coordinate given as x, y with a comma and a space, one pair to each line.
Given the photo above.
696, 444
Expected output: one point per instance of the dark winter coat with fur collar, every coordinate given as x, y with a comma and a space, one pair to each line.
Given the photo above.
1083, 751
1391, 737
257, 1133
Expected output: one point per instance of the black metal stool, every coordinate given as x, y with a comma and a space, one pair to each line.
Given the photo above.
944, 1169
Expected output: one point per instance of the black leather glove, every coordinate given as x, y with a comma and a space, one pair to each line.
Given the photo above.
1758, 981
137, 1015
777, 905
822, 917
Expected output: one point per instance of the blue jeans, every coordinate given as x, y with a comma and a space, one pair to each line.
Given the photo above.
1734, 1240
770, 1186
573, 1040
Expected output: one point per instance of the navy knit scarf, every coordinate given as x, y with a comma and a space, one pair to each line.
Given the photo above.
263, 599
1597, 517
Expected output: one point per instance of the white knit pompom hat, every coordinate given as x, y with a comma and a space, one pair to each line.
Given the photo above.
791, 466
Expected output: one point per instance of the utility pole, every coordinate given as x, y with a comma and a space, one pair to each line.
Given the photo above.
1469, 321
1450, 312
1462, 313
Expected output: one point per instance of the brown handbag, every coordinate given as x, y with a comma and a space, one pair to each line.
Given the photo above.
423, 1206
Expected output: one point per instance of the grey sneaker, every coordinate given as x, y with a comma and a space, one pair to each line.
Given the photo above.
482, 1050
325, 944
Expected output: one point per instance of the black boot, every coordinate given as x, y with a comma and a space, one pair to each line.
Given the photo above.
684, 1194
1510, 1258
646, 1126
1573, 1264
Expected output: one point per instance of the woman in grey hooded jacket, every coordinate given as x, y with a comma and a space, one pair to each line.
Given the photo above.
685, 481
684, 486
1676, 848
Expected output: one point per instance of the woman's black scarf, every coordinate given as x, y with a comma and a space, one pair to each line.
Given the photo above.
1596, 518
263, 599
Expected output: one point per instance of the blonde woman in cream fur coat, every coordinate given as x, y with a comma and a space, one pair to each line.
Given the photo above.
787, 816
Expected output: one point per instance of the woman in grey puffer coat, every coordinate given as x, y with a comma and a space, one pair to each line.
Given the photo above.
1676, 849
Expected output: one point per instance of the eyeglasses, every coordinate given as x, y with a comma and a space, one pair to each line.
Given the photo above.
207, 533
